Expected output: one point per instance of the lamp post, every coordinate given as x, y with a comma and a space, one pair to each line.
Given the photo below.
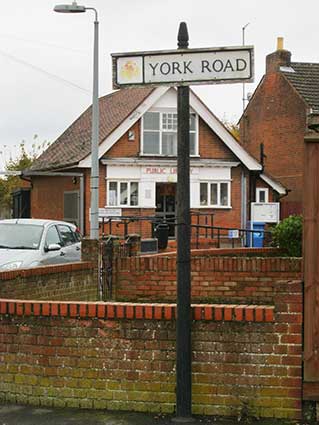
94, 215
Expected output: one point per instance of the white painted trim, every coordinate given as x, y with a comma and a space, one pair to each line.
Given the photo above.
262, 189
167, 162
224, 134
125, 125
275, 185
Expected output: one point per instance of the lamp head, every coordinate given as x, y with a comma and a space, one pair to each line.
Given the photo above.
69, 8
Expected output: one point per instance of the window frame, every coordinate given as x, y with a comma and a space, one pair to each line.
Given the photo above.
161, 130
209, 184
118, 197
262, 189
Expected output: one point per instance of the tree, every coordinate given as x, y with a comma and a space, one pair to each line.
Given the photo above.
232, 127
24, 160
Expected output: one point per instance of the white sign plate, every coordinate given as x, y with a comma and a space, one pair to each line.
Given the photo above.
183, 67
107, 212
267, 212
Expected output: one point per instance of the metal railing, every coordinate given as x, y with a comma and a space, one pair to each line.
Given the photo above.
202, 228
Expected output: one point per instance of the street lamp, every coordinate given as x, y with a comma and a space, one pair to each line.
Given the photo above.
94, 215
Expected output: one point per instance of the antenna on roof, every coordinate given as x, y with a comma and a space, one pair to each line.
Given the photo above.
243, 40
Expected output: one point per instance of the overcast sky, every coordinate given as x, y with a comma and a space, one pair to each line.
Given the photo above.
46, 57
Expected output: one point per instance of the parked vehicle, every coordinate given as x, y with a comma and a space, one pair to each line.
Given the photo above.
26, 243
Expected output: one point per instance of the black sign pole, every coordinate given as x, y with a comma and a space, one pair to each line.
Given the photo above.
183, 323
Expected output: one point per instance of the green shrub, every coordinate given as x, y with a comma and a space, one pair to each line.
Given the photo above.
288, 235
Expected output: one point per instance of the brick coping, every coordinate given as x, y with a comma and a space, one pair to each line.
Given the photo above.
44, 270
146, 311
213, 251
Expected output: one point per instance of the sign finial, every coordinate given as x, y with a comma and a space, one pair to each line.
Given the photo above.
182, 37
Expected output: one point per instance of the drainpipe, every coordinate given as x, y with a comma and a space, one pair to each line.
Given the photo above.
244, 200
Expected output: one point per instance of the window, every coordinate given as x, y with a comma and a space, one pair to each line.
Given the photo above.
215, 194
262, 194
160, 133
52, 236
122, 193
72, 207
66, 235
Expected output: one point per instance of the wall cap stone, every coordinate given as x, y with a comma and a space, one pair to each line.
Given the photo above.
129, 311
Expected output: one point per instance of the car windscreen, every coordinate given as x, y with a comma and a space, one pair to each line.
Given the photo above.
20, 236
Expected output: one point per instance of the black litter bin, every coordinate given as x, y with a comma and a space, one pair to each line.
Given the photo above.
161, 233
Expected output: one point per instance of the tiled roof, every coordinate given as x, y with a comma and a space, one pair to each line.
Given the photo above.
305, 80
75, 143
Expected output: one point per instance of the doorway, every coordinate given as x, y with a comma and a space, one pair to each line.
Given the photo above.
166, 205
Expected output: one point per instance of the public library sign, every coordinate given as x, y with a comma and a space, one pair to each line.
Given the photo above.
184, 66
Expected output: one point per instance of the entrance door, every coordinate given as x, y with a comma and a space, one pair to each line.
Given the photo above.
166, 204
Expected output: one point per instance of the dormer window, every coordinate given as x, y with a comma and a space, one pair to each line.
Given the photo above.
159, 134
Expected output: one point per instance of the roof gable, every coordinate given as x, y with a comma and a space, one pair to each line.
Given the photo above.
198, 107
118, 112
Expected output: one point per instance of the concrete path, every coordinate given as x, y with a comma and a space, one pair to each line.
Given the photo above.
25, 415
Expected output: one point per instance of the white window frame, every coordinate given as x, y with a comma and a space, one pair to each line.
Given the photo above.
218, 205
161, 131
118, 186
259, 190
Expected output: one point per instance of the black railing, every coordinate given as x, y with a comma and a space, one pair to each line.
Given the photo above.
207, 231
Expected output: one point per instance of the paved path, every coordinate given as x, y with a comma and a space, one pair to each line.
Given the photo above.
22, 415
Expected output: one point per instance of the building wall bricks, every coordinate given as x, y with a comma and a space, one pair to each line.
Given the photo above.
47, 192
276, 117
47, 196
121, 356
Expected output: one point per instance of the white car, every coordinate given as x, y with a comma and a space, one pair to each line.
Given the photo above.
26, 243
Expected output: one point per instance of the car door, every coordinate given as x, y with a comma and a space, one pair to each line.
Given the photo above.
71, 244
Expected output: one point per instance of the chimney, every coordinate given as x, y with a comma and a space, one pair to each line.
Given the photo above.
278, 58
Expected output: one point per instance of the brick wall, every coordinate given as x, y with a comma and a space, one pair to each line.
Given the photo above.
68, 282
214, 278
246, 359
276, 117
47, 193
74, 281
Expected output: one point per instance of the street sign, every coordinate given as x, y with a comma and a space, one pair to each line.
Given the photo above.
183, 67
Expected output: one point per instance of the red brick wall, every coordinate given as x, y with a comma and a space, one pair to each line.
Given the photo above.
246, 359
125, 147
210, 145
276, 117
214, 279
47, 196
76, 281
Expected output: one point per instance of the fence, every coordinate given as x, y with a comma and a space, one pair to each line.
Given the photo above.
202, 226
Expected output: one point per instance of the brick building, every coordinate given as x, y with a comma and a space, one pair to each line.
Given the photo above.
137, 153
276, 118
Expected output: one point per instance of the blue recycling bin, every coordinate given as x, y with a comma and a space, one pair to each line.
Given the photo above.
255, 239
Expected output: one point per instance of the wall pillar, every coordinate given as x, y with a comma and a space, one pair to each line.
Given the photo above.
91, 252
311, 252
